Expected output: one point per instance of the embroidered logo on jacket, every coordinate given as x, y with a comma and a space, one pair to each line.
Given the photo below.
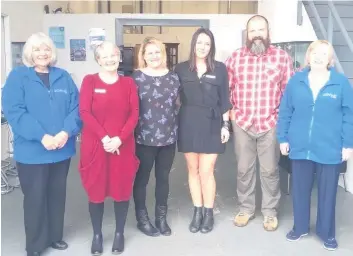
327, 94
60, 91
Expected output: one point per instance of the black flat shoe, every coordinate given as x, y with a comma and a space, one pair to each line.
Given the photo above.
118, 244
208, 221
60, 245
196, 222
97, 245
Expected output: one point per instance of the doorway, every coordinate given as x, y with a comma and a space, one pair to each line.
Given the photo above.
128, 64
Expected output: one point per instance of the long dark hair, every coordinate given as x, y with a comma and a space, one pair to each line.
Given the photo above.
210, 59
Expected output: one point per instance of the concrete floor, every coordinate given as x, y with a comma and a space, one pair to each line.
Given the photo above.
225, 240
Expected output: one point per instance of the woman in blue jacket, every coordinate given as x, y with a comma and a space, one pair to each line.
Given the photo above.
315, 127
40, 103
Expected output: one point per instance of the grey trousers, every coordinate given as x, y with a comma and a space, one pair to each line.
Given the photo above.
248, 147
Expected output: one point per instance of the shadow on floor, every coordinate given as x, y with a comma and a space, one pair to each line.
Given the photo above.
225, 240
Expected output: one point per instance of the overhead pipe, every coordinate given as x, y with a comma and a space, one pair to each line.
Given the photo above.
99, 7
141, 11
160, 12
300, 13
108, 6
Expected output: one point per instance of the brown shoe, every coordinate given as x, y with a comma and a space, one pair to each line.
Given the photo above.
270, 223
242, 219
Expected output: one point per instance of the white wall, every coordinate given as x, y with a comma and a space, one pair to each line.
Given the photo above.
349, 177
282, 16
227, 31
26, 18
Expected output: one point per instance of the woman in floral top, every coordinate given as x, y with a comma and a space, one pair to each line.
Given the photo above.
156, 132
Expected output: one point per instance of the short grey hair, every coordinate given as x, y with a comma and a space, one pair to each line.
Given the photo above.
35, 40
99, 48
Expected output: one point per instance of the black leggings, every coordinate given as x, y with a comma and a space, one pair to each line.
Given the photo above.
96, 211
163, 158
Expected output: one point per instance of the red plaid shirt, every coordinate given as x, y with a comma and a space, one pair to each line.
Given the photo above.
256, 86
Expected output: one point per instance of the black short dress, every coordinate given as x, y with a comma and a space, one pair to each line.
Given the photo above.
203, 102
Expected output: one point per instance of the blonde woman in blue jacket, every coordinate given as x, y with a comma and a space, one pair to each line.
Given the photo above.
40, 103
315, 127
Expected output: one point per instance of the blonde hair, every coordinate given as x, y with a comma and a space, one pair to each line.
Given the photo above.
36, 40
315, 44
99, 48
159, 44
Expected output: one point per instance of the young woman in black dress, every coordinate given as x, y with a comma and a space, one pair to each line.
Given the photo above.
203, 123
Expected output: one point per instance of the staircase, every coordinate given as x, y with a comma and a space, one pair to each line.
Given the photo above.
320, 15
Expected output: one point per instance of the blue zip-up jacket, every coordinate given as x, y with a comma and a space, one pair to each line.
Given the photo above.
317, 131
32, 110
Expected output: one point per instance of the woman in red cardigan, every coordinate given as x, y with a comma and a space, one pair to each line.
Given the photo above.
109, 111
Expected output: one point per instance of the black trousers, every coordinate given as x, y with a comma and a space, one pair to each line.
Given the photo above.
44, 190
162, 157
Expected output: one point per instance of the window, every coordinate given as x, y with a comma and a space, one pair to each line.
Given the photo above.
17, 48
297, 52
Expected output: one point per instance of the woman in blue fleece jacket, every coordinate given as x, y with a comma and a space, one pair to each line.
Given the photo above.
315, 127
40, 103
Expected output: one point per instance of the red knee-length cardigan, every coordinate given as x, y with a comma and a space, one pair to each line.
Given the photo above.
108, 109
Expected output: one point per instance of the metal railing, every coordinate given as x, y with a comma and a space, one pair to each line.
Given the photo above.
328, 35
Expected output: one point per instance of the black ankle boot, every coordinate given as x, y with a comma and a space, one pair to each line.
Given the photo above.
208, 221
33, 253
161, 220
196, 220
97, 245
144, 224
118, 244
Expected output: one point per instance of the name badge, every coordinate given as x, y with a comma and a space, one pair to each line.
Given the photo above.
97, 90
210, 76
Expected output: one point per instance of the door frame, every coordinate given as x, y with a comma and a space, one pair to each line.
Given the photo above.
5, 20
168, 22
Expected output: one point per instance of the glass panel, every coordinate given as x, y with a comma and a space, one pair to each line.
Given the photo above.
297, 51
17, 49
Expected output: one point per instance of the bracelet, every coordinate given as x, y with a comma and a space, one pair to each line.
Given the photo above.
226, 125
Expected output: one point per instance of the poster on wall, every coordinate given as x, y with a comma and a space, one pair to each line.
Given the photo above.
57, 34
96, 36
77, 49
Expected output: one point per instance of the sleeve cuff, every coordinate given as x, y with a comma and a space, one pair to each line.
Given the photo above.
40, 135
347, 145
282, 140
123, 137
67, 131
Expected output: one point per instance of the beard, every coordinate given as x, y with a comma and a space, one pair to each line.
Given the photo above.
258, 48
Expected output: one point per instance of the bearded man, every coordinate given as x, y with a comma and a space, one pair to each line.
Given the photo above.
258, 74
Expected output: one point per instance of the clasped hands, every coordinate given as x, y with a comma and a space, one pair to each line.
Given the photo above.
55, 142
111, 145
347, 153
